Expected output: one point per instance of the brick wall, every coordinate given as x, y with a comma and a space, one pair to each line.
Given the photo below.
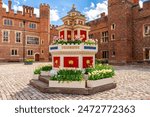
129, 19
42, 31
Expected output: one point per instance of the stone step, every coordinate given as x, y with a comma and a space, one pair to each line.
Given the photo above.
44, 79
43, 87
39, 85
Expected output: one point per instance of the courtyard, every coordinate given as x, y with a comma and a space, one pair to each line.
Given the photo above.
133, 83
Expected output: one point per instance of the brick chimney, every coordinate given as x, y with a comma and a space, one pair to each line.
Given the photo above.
9, 4
1, 3
136, 1
102, 14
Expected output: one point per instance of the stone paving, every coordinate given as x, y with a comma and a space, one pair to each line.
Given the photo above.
133, 82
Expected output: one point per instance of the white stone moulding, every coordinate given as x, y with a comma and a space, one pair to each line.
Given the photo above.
45, 73
101, 82
73, 84
36, 76
80, 46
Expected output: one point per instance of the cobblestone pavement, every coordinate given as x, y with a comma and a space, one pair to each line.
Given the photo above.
133, 82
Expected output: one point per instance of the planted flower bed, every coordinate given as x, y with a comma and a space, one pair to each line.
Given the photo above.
100, 75
28, 62
99, 78
75, 42
42, 70
45, 70
68, 79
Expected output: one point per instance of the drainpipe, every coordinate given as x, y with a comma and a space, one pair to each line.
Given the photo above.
24, 40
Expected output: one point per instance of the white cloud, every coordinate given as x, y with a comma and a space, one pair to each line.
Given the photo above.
94, 13
37, 12
141, 3
17, 2
5, 6
17, 8
54, 16
92, 5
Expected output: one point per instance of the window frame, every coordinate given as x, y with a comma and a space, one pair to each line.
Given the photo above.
103, 37
144, 33
112, 36
31, 25
113, 26
30, 51
3, 36
105, 54
6, 19
16, 36
21, 24
16, 49
32, 37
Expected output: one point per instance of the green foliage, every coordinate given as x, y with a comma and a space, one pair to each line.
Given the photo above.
101, 74
64, 42
88, 70
100, 71
29, 60
90, 42
37, 71
98, 61
42, 68
68, 75
46, 68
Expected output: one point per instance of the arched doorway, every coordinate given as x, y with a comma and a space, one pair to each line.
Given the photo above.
37, 57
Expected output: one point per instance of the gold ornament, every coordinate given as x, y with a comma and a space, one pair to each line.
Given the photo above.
56, 62
71, 62
88, 62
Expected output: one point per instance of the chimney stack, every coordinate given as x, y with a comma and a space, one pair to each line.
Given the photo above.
1, 3
136, 1
9, 4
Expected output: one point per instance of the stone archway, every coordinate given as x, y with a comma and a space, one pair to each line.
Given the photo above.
37, 57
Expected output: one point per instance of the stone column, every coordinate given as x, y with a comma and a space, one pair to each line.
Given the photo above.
61, 61
65, 34
80, 62
87, 34
78, 33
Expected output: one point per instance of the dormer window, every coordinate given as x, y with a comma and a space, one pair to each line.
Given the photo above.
147, 30
66, 22
73, 14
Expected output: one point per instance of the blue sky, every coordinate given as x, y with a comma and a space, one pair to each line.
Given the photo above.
59, 8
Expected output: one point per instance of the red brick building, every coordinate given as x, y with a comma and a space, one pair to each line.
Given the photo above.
124, 34
53, 32
23, 35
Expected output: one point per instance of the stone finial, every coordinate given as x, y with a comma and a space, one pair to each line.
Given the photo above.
73, 6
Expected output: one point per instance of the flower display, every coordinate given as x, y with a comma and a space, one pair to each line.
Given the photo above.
90, 42
100, 72
77, 40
